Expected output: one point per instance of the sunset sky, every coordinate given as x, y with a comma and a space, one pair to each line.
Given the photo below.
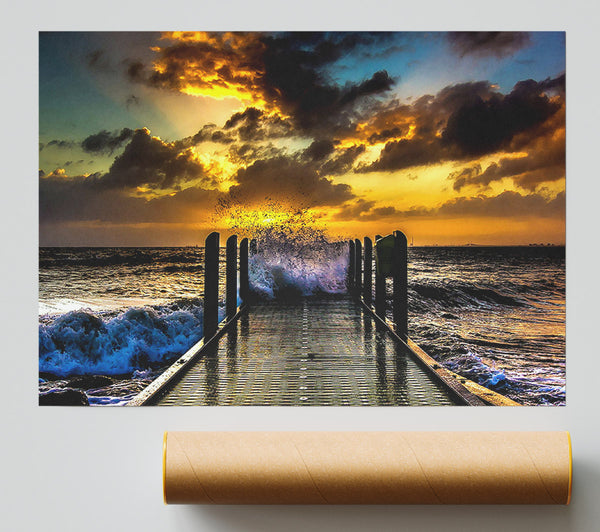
454, 138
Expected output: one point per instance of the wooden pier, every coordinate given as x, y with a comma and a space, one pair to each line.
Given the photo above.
326, 351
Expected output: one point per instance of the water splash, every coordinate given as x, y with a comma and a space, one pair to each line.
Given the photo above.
83, 342
293, 256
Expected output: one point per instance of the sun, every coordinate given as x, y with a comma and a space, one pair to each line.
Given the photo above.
271, 220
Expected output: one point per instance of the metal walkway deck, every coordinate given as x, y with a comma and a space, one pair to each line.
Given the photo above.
313, 352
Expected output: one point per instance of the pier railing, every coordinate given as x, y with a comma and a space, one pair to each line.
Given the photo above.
391, 260
233, 254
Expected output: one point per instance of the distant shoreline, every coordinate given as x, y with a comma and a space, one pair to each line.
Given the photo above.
419, 246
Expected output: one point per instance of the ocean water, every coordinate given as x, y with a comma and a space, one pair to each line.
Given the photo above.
493, 314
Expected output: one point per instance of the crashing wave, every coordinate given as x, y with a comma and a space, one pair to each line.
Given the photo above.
293, 256
83, 342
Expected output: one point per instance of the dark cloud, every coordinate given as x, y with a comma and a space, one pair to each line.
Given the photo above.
293, 71
285, 71
484, 126
64, 144
321, 157
353, 210
136, 71
145, 161
364, 210
452, 97
405, 153
420, 123
342, 161
468, 120
544, 134
105, 142
378, 83
288, 181
466, 176
488, 43
461, 122
250, 115
148, 161
429, 113
211, 133
254, 124
246, 154
79, 199
557, 84
249, 125
386, 134
319, 150
315, 104
544, 163
378, 213
505, 205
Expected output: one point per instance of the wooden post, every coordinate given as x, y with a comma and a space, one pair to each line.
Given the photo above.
231, 277
351, 265
368, 272
379, 289
357, 267
400, 301
244, 279
211, 285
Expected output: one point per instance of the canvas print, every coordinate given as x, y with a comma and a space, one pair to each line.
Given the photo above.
301, 219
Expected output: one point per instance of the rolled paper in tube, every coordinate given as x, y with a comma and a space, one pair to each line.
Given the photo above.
367, 467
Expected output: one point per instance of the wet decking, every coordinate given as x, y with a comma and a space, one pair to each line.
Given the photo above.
325, 352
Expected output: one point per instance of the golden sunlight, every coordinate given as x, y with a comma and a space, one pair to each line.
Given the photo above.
269, 218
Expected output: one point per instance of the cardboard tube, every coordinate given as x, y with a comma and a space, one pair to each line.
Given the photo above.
367, 467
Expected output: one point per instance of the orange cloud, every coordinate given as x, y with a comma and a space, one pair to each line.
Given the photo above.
279, 74
216, 65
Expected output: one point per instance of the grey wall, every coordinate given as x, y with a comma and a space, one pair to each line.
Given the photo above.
100, 469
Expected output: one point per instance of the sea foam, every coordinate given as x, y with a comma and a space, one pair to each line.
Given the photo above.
84, 342
275, 272
293, 254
